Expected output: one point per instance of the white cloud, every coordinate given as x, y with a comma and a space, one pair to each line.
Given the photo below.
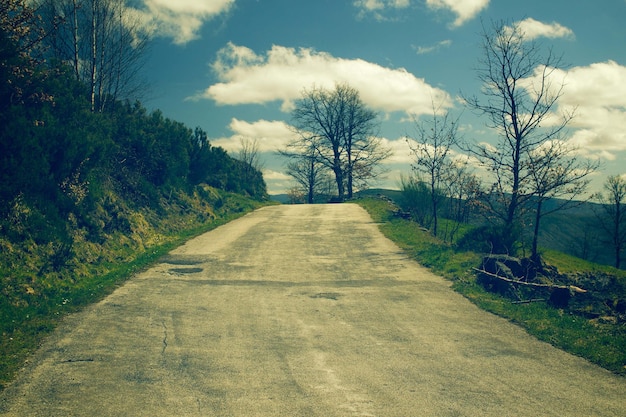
421, 50
270, 135
463, 9
278, 182
401, 153
377, 8
282, 73
600, 84
181, 20
597, 93
271, 175
371, 5
533, 29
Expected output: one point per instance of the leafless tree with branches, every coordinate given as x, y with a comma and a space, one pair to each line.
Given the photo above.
612, 216
431, 148
520, 101
340, 131
104, 43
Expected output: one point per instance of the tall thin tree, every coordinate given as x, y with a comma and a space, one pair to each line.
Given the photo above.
557, 176
305, 168
519, 95
431, 150
613, 214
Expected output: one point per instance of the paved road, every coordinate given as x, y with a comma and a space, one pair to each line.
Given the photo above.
300, 311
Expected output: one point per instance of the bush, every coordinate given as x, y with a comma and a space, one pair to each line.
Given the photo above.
496, 239
415, 199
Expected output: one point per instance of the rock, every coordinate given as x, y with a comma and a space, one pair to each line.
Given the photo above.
559, 297
503, 265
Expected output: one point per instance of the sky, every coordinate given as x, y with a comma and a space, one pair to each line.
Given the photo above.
235, 67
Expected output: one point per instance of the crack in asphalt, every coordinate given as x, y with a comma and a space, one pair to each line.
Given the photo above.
78, 360
164, 338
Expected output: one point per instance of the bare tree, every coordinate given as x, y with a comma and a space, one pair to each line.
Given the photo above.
318, 120
613, 216
306, 169
340, 129
518, 98
364, 150
365, 162
559, 176
20, 28
103, 42
464, 189
431, 149
249, 154
295, 195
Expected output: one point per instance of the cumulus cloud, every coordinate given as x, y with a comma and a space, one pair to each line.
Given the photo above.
271, 175
281, 74
533, 29
463, 9
371, 5
597, 93
400, 151
377, 8
598, 85
181, 20
270, 135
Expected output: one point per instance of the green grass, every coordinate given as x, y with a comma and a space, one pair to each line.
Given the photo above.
598, 342
567, 263
430, 251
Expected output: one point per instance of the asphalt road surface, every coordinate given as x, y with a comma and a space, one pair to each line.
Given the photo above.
300, 311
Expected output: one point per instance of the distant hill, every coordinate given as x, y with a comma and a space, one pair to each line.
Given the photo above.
393, 194
576, 232
281, 198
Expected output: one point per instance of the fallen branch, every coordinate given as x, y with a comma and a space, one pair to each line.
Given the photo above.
534, 300
532, 284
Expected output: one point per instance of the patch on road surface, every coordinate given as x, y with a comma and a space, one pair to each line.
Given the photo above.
186, 270
327, 295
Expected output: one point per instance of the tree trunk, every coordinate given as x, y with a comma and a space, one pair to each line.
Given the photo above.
94, 55
433, 196
75, 38
312, 181
617, 233
512, 211
349, 183
339, 178
533, 255
340, 186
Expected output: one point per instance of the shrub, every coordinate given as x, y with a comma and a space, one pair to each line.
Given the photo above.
490, 239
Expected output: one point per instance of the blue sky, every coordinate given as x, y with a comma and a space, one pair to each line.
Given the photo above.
235, 67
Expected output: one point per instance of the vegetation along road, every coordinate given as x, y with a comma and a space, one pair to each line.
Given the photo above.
300, 311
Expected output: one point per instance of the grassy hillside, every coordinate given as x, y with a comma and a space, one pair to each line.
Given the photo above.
42, 282
574, 231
